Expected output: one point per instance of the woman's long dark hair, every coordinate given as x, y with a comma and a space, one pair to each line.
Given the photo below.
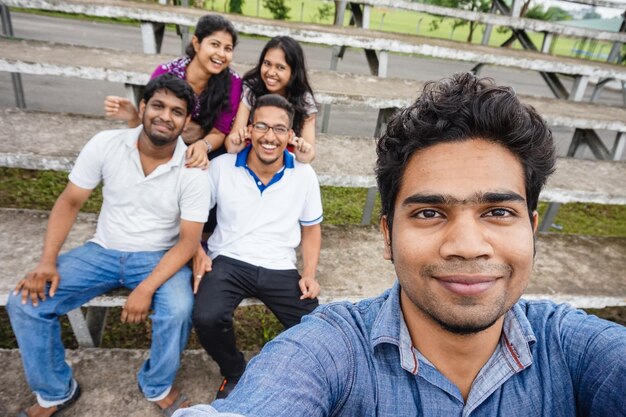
216, 95
298, 85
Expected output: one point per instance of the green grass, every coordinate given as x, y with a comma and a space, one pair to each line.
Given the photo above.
254, 326
29, 189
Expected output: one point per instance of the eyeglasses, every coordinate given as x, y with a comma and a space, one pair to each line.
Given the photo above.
279, 130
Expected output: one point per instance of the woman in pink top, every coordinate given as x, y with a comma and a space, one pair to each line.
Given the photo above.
205, 67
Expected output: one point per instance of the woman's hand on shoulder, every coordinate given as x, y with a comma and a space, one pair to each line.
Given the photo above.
197, 155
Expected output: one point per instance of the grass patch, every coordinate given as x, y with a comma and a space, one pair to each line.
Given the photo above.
592, 219
254, 327
31, 189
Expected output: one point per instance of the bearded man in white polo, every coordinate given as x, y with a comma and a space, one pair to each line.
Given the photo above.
267, 204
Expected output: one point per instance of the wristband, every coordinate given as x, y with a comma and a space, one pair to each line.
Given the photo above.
209, 148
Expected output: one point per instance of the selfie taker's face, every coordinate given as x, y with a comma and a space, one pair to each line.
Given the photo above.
462, 242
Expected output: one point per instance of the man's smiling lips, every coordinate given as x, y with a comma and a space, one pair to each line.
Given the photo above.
161, 126
467, 285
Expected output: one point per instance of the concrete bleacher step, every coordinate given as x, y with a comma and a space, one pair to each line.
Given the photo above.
585, 271
42, 58
108, 381
39, 140
336, 36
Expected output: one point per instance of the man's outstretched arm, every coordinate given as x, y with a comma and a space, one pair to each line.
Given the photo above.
60, 222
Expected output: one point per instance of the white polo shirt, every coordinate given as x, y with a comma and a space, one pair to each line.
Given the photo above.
140, 213
260, 224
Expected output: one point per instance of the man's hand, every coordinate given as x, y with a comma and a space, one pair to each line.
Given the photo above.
137, 305
309, 286
303, 150
236, 141
202, 264
119, 108
34, 284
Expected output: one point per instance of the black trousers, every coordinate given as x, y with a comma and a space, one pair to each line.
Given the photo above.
220, 292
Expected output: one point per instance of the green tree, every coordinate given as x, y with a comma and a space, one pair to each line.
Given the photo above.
470, 5
278, 8
553, 13
324, 13
235, 6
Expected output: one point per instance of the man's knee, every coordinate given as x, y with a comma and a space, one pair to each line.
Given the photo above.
211, 316
175, 305
14, 305
180, 311
16, 309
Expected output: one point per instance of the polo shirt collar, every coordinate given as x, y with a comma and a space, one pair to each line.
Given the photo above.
132, 140
242, 158
390, 327
242, 161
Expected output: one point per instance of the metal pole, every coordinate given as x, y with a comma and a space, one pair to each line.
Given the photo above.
340, 11
16, 79
184, 30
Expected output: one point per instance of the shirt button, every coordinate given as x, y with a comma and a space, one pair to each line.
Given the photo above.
259, 183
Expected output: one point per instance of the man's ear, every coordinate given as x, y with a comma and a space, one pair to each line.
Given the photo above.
142, 108
290, 135
384, 229
535, 226
535, 222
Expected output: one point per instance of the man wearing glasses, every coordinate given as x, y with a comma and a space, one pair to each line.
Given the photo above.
267, 204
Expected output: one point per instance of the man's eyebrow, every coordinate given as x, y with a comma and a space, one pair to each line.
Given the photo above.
500, 197
478, 198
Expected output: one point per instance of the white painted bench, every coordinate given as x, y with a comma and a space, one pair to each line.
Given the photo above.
51, 141
381, 42
42, 58
351, 267
325, 35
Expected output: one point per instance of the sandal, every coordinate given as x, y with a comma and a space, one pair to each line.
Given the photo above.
168, 411
60, 407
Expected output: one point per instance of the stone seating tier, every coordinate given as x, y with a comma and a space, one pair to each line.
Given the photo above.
337, 36
41, 140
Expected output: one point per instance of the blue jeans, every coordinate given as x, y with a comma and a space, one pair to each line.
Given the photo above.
87, 272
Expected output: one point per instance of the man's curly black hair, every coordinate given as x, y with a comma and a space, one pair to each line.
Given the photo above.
461, 108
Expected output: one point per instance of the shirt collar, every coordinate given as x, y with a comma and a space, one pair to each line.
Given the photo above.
242, 158
390, 327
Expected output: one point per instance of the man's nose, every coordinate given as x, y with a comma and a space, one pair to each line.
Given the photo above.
466, 237
270, 133
166, 114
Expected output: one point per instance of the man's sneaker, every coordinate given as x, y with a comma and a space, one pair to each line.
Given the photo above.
227, 386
